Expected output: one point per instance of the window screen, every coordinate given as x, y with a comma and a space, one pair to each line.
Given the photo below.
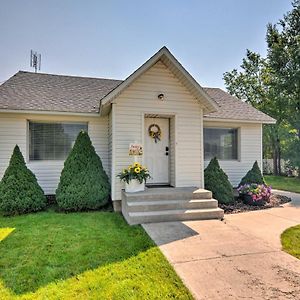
221, 143
52, 141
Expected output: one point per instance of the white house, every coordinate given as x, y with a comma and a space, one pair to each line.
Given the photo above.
43, 113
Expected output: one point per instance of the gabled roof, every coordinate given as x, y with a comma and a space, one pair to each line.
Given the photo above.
177, 69
54, 93
232, 108
47, 93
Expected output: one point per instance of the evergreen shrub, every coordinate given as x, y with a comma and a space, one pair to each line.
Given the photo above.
20, 192
217, 182
83, 184
253, 176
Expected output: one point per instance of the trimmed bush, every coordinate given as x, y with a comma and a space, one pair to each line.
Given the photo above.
253, 176
217, 182
83, 182
20, 192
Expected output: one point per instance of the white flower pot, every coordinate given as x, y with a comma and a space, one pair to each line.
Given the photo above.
134, 186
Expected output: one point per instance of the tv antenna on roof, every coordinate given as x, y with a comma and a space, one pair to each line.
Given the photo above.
35, 60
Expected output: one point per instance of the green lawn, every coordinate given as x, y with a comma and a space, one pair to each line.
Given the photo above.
291, 184
290, 240
92, 255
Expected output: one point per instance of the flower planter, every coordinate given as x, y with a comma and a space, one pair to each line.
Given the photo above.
134, 186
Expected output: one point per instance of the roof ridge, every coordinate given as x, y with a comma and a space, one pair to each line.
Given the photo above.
72, 76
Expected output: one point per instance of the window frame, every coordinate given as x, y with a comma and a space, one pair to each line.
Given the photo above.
46, 121
238, 142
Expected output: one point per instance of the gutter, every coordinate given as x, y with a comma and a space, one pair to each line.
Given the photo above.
209, 119
45, 112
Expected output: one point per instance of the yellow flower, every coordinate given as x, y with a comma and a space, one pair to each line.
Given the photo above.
129, 168
137, 170
136, 165
124, 171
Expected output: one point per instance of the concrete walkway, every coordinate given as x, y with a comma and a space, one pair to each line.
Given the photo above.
238, 258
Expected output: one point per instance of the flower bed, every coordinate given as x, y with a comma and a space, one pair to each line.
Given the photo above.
254, 194
239, 206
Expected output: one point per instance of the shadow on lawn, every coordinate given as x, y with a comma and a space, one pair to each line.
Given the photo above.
47, 247
147, 275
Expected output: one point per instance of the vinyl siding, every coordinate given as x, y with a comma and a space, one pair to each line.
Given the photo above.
140, 98
250, 149
13, 130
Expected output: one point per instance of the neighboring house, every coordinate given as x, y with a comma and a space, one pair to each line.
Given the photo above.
43, 114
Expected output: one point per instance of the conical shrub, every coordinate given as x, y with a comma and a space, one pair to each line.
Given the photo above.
253, 176
83, 184
20, 192
216, 181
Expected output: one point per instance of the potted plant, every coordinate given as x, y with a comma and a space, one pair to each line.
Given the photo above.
254, 194
135, 177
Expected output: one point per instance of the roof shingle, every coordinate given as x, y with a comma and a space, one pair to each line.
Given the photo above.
60, 93
233, 108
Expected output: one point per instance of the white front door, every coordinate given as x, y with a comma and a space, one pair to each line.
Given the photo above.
157, 150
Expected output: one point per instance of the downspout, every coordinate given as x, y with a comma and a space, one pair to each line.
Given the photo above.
113, 153
202, 151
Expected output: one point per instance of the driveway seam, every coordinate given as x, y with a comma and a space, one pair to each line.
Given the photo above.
225, 256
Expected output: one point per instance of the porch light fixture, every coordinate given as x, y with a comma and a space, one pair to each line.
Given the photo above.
161, 97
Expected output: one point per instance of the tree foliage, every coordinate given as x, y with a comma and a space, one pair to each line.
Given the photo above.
272, 84
217, 182
83, 182
20, 192
284, 61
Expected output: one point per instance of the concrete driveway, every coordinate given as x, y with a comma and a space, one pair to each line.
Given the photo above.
238, 258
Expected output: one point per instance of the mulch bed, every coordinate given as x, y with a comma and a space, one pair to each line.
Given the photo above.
238, 206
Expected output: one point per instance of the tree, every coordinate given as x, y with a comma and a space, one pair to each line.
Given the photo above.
284, 60
272, 84
216, 181
83, 182
254, 84
19, 190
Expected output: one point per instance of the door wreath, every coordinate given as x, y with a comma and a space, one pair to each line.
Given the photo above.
154, 132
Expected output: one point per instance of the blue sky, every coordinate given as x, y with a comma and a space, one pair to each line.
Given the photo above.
112, 38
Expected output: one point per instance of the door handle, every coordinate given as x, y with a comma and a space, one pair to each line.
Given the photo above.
167, 148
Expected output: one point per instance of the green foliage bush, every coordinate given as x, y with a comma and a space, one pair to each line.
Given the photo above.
20, 192
217, 182
253, 176
83, 182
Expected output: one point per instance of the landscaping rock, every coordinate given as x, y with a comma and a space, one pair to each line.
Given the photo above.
238, 206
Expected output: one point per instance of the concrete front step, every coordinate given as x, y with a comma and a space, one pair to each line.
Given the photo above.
173, 215
169, 194
169, 204
159, 205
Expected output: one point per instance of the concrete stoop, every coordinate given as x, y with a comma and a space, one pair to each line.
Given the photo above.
169, 204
